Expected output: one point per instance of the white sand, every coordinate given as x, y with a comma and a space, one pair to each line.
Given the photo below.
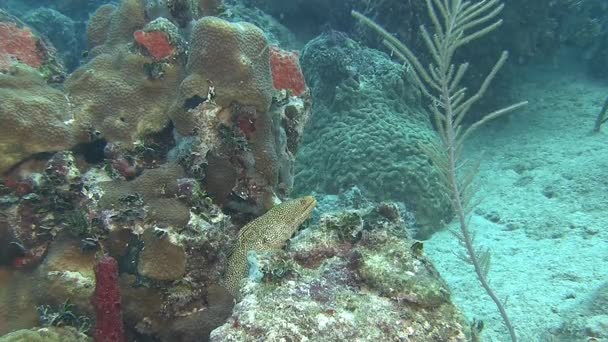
544, 176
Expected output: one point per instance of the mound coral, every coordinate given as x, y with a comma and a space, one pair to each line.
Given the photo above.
46, 334
17, 309
156, 189
99, 24
30, 108
111, 27
119, 99
67, 272
231, 57
162, 257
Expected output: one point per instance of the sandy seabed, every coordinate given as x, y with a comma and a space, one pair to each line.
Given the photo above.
543, 211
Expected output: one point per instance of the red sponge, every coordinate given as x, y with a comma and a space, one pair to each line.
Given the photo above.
107, 302
156, 42
286, 72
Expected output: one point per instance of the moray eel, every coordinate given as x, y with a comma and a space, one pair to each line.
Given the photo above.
267, 232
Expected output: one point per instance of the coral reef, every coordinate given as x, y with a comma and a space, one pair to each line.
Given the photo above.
161, 39
17, 308
111, 27
156, 189
76, 9
99, 25
369, 130
176, 144
162, 257
197, 326
353, 269
61, 30
122, 96
66, 273
19, 44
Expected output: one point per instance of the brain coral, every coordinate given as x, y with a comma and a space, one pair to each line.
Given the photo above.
234, 58
367, 130
35, 117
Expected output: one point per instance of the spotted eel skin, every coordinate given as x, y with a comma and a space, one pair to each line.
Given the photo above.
267, 232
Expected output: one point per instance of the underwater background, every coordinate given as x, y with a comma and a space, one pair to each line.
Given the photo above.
281, 170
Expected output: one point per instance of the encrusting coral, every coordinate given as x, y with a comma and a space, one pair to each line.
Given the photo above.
161, 39
286, 72
19, 43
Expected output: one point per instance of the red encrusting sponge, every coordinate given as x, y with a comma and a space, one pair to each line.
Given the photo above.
286, 71
157, 43
19, 44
